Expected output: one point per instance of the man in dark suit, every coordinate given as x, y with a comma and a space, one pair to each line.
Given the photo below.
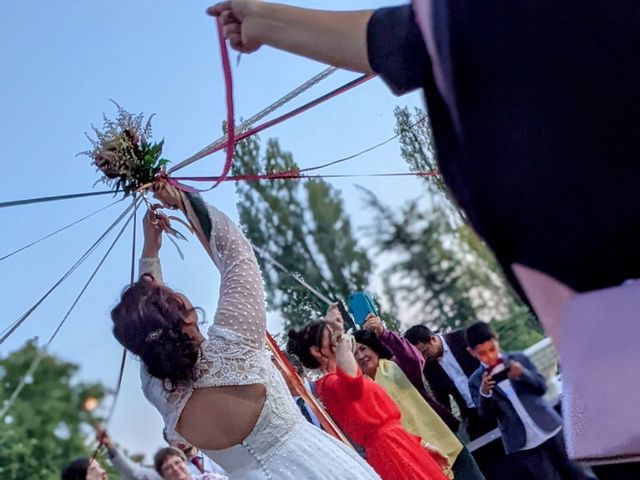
508, 387
448, 368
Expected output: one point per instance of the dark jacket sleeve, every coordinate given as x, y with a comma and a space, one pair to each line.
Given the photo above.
531, 379
396, 49
408, 357
442, 396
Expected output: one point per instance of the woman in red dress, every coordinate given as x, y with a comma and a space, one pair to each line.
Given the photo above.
362, 409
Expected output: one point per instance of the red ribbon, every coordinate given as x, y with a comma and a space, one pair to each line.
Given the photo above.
228, 83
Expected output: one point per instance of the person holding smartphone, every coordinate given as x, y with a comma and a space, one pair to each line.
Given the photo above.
363, 409
508, 387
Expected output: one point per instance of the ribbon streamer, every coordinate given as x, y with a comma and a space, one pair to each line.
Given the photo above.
16, 324
43, 352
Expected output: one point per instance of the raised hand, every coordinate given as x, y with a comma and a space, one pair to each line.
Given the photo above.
334, 321
153, 224
168, 195
103, 437
373, 324
240, 20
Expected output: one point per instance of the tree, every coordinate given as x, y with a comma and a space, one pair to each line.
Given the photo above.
47, 425
301, 225
440, 269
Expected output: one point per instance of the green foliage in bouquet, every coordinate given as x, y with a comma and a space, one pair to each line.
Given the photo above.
124, 153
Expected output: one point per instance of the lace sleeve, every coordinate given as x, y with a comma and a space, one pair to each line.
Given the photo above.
241, 306
151, 265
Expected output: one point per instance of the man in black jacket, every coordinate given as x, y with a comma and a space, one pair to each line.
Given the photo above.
447, 370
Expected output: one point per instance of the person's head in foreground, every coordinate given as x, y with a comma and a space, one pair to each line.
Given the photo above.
482, 343
84, 469
171, 464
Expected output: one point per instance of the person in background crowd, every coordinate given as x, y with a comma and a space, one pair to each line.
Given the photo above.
448, 366
531, 429
396, 365
196, 462
171, 464
84, 469
362, 408
305, 410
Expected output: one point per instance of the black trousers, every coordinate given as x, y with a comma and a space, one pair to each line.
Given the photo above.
622, 471
549, 461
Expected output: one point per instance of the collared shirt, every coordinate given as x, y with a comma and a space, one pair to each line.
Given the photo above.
535, 435
453, 369
312, 415
209, 465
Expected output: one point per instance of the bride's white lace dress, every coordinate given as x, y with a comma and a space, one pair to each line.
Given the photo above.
282, 445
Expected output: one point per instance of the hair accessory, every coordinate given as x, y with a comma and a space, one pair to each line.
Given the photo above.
154, 335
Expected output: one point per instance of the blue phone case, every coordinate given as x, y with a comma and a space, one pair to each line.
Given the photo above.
360, 305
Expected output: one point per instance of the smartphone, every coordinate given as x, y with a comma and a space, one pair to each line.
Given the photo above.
360, 306
501, 375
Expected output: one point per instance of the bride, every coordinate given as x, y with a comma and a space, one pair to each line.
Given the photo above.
221, 392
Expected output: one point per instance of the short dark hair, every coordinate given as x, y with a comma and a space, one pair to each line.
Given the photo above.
418, 334
76, 470
371, 340
478, 333
163, 454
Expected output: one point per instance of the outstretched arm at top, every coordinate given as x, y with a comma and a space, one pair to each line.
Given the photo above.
336, 38
386, 41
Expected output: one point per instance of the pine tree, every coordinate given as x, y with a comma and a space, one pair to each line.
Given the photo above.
303, 226
440, 269
46, 427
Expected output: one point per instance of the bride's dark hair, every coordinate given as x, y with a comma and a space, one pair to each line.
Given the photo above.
149, 322
300, 343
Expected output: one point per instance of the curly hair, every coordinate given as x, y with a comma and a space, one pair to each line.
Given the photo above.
300, 343
149, 322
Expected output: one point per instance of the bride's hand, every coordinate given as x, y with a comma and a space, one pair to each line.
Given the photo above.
153, 224
168, 195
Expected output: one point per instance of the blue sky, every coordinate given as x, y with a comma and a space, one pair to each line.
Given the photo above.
61, 62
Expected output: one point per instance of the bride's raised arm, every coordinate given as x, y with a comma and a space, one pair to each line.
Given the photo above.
241, 304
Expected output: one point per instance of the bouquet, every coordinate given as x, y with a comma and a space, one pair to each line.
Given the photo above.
124, 153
